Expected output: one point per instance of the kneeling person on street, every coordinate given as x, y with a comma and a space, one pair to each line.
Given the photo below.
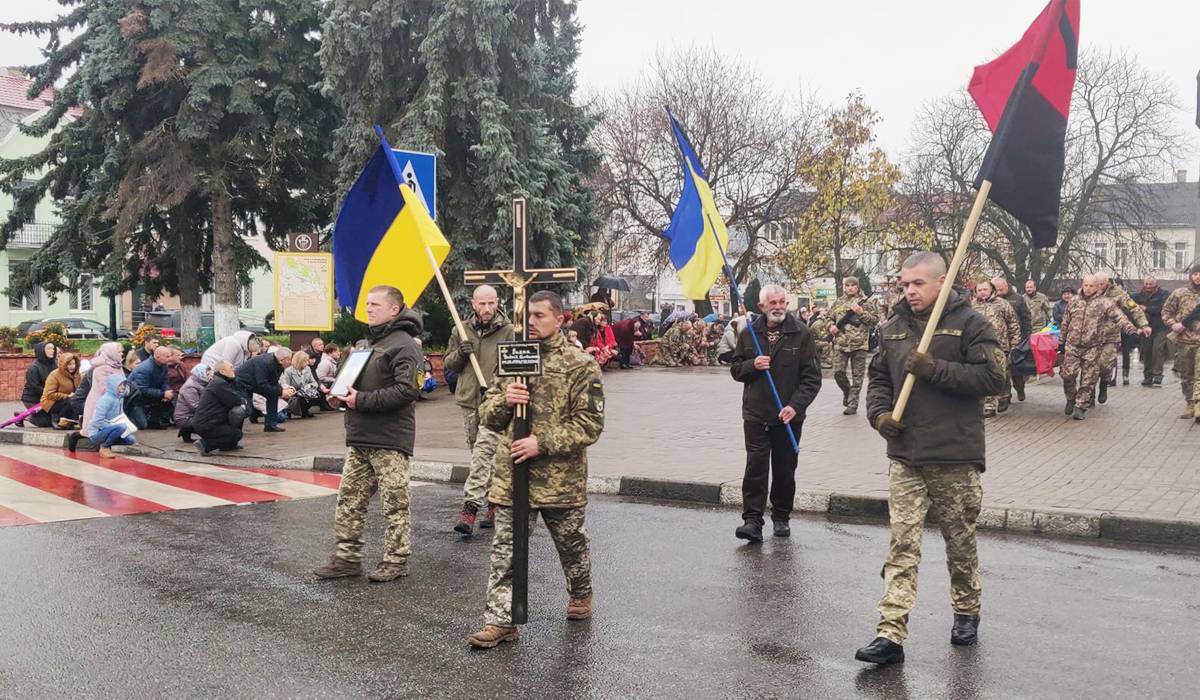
566, 416
380, 432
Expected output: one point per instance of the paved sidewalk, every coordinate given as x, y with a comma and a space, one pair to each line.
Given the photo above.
1131, 457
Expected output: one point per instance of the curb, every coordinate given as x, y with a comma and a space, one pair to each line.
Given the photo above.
1053, 522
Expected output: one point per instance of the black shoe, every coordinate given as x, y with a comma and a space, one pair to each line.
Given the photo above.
203, 447
850, 411
1020, 393
1003, 404
1079, 414
881, 651
73, 440
254, 420
1103, 397
1069, 409
749, 531
965, 630
1147, 382
1158, 382
1125, 380
782, 528
274, 429
1112, 381
186, 435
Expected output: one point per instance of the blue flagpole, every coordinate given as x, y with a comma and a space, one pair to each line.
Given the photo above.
737, 296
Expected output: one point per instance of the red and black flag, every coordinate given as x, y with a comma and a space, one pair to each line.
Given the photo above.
1025, 97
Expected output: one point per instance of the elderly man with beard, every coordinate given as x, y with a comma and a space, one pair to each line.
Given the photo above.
790, 355
486, 329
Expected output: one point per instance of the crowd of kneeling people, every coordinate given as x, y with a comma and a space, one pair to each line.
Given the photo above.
119, 391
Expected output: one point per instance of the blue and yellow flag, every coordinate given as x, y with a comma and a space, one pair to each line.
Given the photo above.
697, 254
380, 237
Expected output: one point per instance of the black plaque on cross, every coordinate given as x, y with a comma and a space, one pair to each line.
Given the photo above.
520, 277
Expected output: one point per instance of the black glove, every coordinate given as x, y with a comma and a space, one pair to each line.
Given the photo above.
920, 364
888, 427
466, 347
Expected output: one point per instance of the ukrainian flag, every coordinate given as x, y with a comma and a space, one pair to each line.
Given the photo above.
380, 236
697, 254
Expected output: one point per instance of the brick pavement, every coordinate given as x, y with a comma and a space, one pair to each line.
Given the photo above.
1131, 457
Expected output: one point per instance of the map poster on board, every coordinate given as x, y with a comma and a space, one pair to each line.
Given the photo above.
304, 291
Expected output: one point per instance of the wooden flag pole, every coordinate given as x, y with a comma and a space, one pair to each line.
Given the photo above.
458, 324
940, 305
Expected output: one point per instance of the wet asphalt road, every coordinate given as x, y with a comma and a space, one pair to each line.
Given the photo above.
220, 603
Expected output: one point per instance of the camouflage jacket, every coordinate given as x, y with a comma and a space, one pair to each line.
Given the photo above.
1130, 308
1086, 321
1039, 310
1179, 305
676, 343
1003, 318
853, 328
566, 414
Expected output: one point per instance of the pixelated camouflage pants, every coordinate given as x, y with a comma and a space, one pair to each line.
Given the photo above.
852, 382
1081, 369
482, 442
571, 541
954, 495
1187, 364
364, 472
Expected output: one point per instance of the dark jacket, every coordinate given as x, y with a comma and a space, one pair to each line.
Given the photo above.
35, 376
1154, 306
151, 380
1060, 308
794, 366
384, 415
944, 416
212, 413
260, 375
1024, 315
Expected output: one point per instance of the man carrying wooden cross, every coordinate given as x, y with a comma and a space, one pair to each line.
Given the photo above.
566, 407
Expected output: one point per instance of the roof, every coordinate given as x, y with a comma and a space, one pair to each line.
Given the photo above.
1172, 204
14, 93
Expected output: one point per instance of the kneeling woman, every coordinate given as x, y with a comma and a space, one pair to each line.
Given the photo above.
108, 424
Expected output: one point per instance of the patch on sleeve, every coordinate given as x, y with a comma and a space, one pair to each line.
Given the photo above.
596, 396
999, 357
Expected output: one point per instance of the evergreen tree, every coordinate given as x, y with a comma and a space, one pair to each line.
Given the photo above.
487, 85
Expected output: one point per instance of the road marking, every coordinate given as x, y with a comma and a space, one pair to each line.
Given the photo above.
105, 500
41, 505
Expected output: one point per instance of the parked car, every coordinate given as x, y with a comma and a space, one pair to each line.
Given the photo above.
78, 328
23, 328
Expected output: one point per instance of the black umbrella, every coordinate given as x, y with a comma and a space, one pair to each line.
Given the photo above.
611, 282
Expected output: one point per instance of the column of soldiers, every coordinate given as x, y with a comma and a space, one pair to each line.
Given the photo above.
1085, 333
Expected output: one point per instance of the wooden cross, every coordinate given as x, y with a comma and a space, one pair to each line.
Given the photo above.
520, 277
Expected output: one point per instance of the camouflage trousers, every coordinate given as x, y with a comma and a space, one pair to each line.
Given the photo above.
483, 442
1187, 364
1081, 369
1108, 359
850, 383
825, 352
365, 471
954, 495
571, 541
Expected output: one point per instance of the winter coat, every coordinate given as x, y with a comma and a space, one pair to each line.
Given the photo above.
260, 375
794, 367
630, 331
854, 329
1060, 307
384, 416
190, 393
485, 337
584, 328
106, 363
1154, 307
1003, 317
1039, 310
1128, 307
302, 381
111, 405
1021, 309
61, 384
177, 376
1178, 308
604, 339
36, 376
944, 416
232, 349
1087, 320
218, 397
327, 369
151, 380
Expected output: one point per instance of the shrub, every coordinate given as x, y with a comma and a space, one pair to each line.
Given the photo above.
52, 333
8, 338
143, 333
347, 330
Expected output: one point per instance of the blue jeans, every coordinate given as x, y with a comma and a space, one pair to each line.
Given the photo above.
110, 435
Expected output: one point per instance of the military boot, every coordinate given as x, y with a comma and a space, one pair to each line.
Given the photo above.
1103, 396
749, 531
579, 608
1070, 407
388, 571
339, 568
965, 630
844, 385
1190, 411
1079, 414
882, 651
488, 521
492, 635
466, 519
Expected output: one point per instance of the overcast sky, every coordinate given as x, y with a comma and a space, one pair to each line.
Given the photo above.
899, 53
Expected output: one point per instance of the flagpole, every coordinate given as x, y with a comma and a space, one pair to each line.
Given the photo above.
939, 306
737, 297
437, 270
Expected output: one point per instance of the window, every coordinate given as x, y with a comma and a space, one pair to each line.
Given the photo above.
1181, 256
245, 297
1121, 256
1160, 256
82, 293
32, 301
1102, 254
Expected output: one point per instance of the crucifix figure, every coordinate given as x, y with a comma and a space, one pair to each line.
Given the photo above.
520, 277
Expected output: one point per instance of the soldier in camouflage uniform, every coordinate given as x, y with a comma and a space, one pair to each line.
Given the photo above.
936, 450
566, 406
1004, 322
1113, 333
675, 347
698, 344
380, 432
1181, 314
819, 325
852, 316
1039, 307
1084, 330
